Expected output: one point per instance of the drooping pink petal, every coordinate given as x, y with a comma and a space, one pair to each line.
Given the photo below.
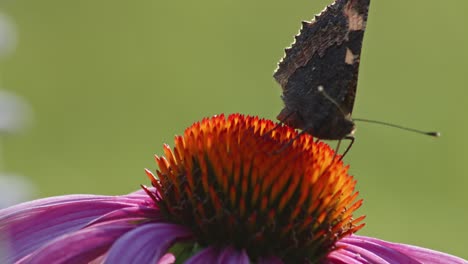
28, 226
169, 258
230, 255
360, 249
146, 213
206, 255
341, 258
367, 252
147, 243
423, 255
82, 246
216, 255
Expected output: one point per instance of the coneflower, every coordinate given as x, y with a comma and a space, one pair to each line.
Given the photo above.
233, 189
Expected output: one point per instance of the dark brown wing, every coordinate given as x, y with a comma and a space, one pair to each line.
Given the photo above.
325, 53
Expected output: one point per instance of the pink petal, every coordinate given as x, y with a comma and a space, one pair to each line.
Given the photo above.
82, 246
150, 214
230, 255
28, 226
146, 244
207, 255
360, 249
424, 255
169, 258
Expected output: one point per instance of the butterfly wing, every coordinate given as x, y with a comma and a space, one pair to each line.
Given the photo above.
326, 53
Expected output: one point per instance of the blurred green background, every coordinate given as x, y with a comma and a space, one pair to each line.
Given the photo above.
110, 81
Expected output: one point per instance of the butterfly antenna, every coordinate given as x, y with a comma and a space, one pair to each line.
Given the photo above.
428, 133
321, 90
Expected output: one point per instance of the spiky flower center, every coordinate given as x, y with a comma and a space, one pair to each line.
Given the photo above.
240, 181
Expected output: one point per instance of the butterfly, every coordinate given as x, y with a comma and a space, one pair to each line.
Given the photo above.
319, 72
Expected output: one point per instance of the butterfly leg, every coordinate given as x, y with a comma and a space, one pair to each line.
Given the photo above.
337, 149
349, 146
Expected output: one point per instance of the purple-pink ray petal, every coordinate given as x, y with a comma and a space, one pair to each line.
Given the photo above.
423, 255
206, 255
226, 255
28, 226
82, 246
169, 258
359, 249
230, 255
146, 213
368, 252
147, 243
338, 258
344, 255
